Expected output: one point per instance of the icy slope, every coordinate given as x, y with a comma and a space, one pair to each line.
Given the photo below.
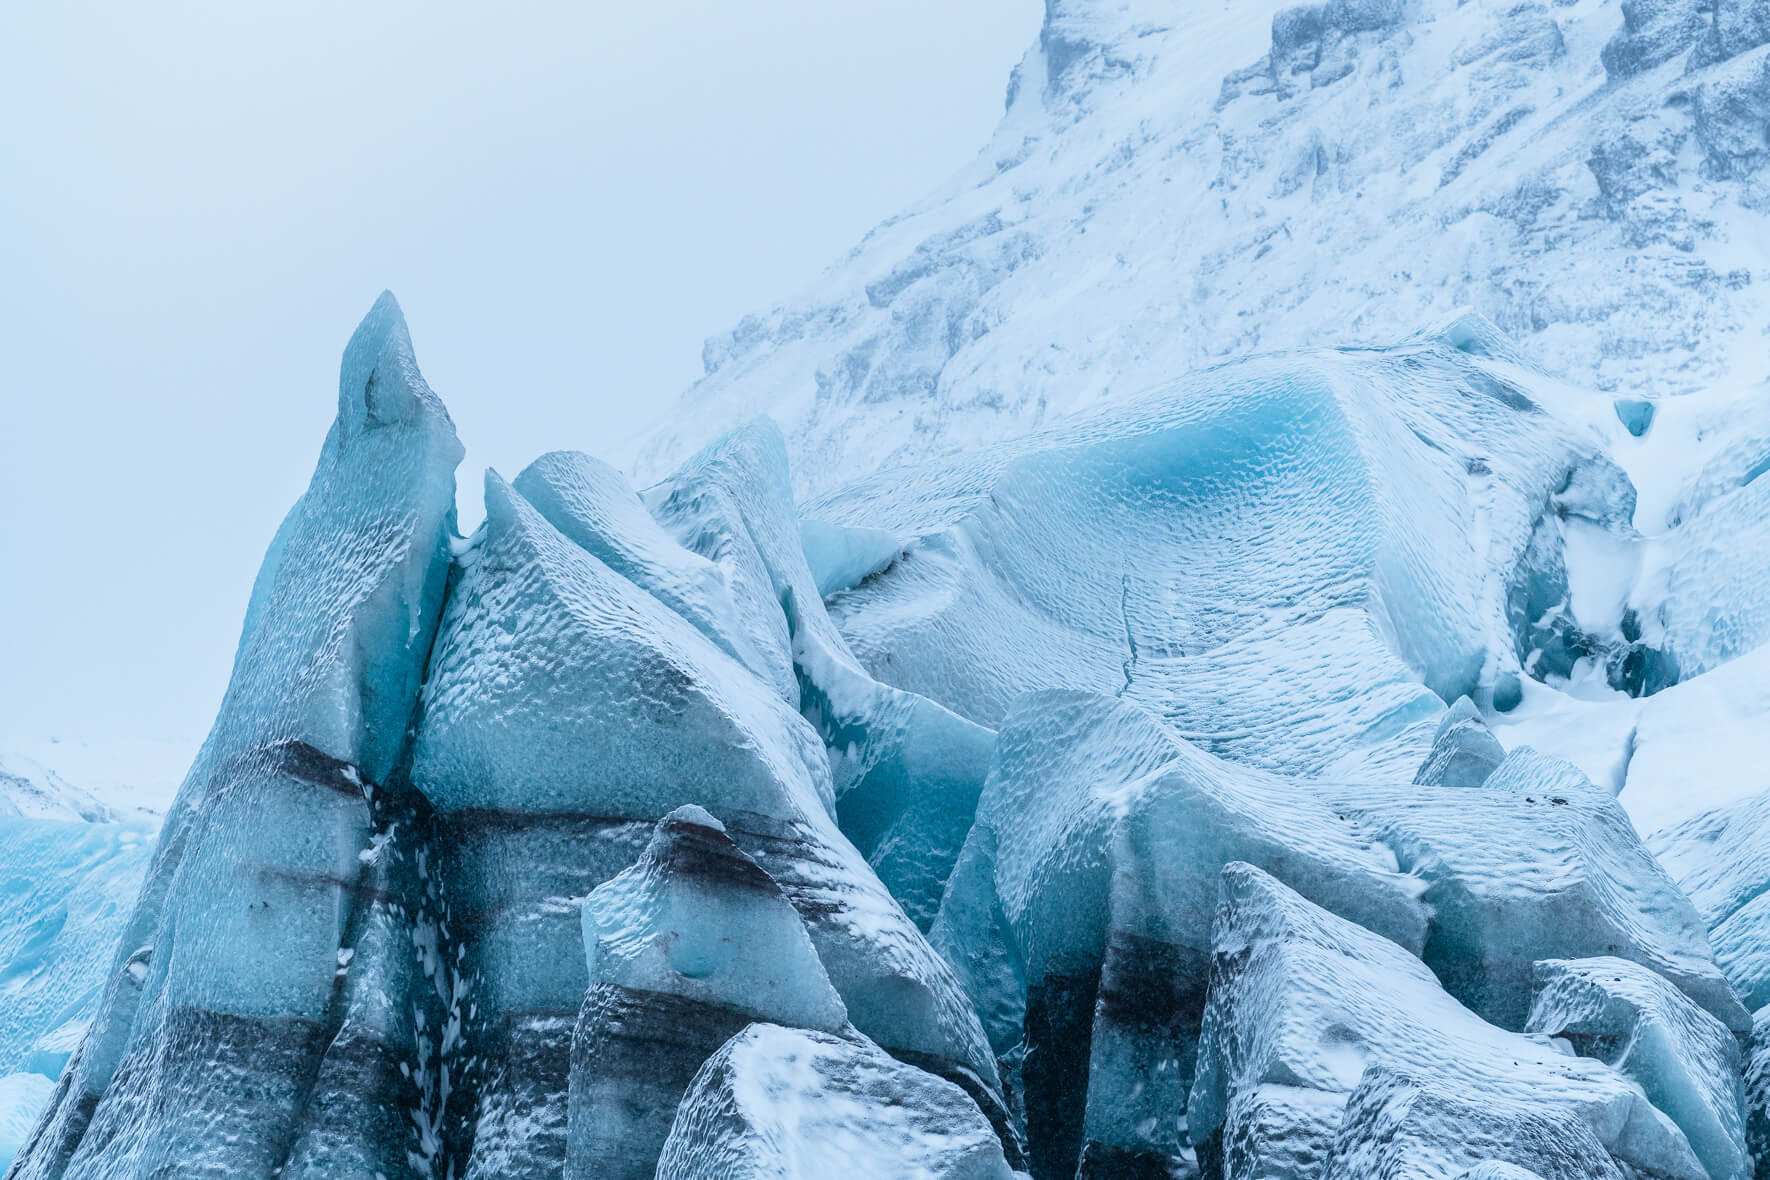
1176, 184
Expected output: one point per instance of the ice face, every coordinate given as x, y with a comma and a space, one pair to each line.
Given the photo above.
1464, 751
1533, 865
1687, 1062
1277, 539
22, 1097
212, 998
1277, 1131
1300, 997
567, 710
1394, 1124
683, 950
69, 888
906, 770
787, 1104
1080, 915
593, 505
1721, 859
1702, 596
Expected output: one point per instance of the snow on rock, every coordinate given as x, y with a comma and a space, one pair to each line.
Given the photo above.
684, 950
1687, 1062
1170, 187
1300, 997
790, 1104
30, 789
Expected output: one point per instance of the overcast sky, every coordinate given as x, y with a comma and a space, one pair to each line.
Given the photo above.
199, 201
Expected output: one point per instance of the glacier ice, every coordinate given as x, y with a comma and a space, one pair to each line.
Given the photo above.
22, 1096
209, 996
906, 771
1536, 864
1721, 859
684, 950
1107, 554
1093, 870
1301, 997
1686, 1061
68, 888
1203, 786
791, 1104
566, 711
1464, 751
1395, 1124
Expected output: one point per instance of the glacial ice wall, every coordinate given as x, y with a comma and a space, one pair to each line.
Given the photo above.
1121, 800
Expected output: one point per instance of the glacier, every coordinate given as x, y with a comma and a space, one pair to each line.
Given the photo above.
1231, 642
1128, 798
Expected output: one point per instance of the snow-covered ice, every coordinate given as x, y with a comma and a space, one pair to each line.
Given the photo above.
787, 1104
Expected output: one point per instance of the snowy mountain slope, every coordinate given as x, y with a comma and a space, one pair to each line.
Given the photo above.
1175, 184
28, 788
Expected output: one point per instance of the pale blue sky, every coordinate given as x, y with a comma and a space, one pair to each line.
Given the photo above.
198, 201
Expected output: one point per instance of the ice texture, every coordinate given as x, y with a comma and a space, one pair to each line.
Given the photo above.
1464, 751
683, 951
1535, 864
1294, 560
1702, 598
221, 1003
22, 1097
67, 893
1301, 997
1398, 1125
1721, 859
789, 1104
906, 771
1093, 870
1687, 1062
566, 711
